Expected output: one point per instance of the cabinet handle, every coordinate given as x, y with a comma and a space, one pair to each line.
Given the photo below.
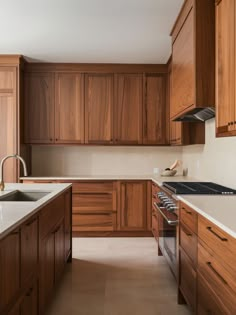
15, 233
56, 230
56, 139
223, 239
187, 211
186, 232
209, 264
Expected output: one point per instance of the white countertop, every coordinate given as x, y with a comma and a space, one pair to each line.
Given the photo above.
14, 213
221, 210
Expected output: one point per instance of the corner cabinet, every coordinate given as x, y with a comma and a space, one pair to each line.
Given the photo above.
193, 62
225, 68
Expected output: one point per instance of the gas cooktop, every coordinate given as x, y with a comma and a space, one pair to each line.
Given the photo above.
198, 188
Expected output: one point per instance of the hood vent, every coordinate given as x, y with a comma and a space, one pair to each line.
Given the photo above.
197, 115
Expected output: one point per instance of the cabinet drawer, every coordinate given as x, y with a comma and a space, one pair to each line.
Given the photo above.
188, 241
51, 215
208, 302
221, 280
92, 186
189, 217
222, 244
94, 222
94, 201
187, 280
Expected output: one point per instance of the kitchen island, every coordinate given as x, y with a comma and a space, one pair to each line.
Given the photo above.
35, 244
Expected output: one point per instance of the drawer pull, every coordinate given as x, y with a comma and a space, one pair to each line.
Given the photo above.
187, 211
223, 239
209, 264
186, 232
31, 222
29, 292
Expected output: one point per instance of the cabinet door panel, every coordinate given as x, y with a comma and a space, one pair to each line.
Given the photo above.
154, 126
29, 249
68, 224
225, 67
133, 206
47, 261
39, 107
99, 108
183, 83
9, 268
59, 251
128, 109
69, 113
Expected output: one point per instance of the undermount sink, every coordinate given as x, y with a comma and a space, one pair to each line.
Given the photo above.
19, 195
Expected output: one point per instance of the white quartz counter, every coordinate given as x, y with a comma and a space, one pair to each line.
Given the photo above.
13, 213
220, 210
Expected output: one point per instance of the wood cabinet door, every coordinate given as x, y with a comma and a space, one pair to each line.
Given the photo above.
183, 73
29, 249
39, 107
8, 144
225, 66
59, 251
46, 277
99, 108
154, 110
69, 108
29, 304
128, 109
9, 269
133, 206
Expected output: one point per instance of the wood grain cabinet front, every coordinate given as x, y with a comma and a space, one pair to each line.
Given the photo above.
193, 58
128, 109
69, 108
39, 109
225, 68
9, 270
99, 107
133, 206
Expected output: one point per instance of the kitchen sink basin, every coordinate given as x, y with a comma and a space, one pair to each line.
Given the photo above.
19, 195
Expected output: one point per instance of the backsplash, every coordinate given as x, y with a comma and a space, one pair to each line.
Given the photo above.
100, 160
214, 161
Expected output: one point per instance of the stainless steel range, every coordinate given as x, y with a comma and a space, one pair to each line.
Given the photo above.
167, 207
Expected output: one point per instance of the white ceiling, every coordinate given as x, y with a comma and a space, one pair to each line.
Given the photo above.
116, 31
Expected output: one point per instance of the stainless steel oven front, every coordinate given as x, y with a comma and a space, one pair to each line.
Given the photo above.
167, 214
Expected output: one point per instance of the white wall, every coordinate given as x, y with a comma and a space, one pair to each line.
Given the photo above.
100, 160
214, 161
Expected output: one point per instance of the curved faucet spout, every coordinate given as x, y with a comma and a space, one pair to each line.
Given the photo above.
16, 156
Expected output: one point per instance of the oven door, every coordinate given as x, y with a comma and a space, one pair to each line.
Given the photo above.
167, 228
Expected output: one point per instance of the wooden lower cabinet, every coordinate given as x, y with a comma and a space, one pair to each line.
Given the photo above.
29, 304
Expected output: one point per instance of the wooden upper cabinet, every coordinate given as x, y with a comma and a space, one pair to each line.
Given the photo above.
193, 58
154, 110
133, 206
8, 120
69, 108
99, 108
128, 108
225, 68
39, 107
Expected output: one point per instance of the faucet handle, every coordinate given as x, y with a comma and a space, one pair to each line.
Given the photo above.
2, 185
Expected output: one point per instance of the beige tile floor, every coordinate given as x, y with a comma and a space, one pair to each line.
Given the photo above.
116, 276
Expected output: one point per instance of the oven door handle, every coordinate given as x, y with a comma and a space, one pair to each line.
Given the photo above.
168, 220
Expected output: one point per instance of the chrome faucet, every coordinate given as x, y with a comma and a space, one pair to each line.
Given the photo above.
2, 185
